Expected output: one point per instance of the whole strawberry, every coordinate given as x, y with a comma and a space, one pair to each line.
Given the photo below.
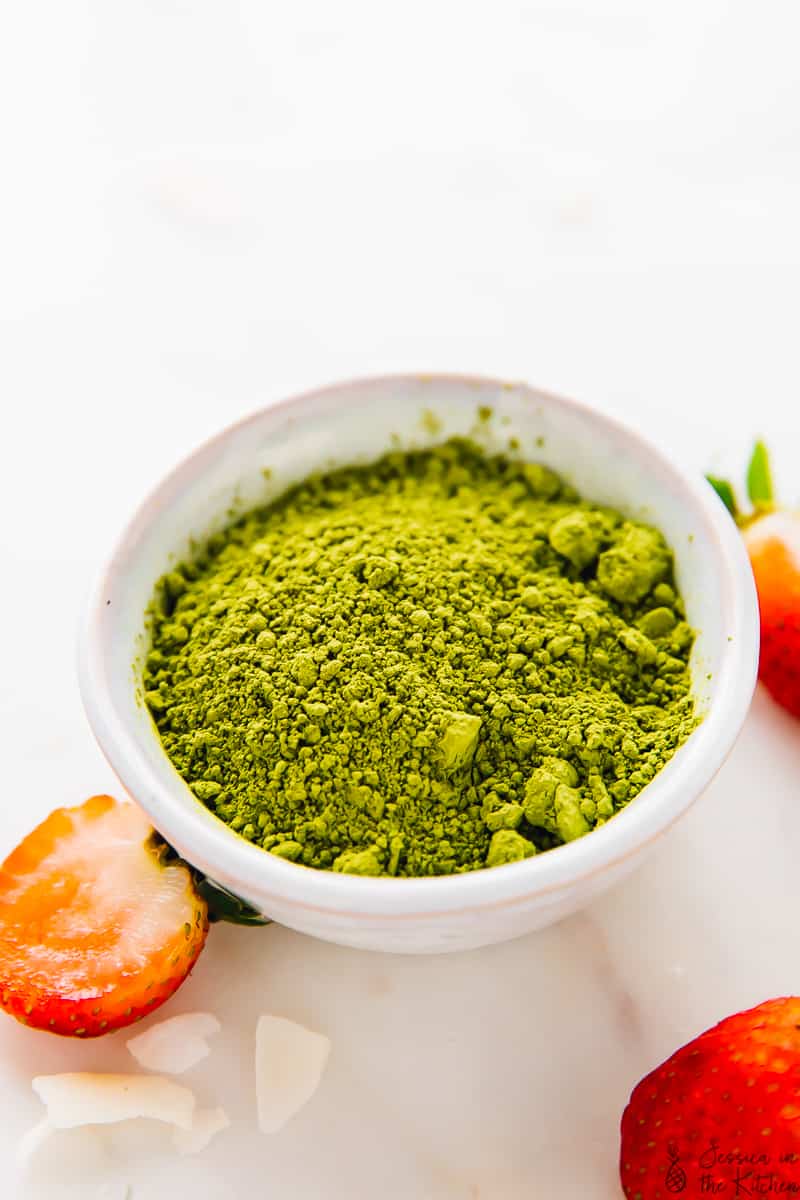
722, 1115
772, 537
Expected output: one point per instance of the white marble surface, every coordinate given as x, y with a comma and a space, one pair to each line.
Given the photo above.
207, 206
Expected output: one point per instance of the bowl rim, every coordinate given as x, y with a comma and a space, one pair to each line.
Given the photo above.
218, 851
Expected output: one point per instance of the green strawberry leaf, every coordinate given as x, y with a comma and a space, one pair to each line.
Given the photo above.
725, 493
759, 477
224, 906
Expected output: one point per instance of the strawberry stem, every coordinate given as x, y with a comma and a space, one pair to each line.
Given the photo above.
759, 477
725, 493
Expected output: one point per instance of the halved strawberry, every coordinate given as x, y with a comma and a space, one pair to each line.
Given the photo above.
96, 930
772, 537
773, 543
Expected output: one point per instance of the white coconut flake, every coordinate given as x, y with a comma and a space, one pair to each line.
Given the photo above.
138, 1140
79, 1098
207, 1123
290, 1061
175, 1045
32, 1141
63, 1158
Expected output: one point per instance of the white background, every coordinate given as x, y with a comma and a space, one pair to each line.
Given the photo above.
206, 206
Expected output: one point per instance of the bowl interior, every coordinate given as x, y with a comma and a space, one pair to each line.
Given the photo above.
263, 455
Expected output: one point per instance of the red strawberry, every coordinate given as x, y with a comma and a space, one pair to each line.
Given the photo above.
772, 537
96, 930
720, 1117
773, 543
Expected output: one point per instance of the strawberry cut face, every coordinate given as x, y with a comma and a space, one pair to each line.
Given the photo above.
95, 931
772, 537
773, 543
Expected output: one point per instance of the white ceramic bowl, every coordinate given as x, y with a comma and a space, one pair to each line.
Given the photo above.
357, 421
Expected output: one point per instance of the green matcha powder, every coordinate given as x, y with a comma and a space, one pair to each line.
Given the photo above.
438, 662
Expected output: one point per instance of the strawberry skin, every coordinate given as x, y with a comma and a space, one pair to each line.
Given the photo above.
773, 543
772, 537
723, 1110
95, 930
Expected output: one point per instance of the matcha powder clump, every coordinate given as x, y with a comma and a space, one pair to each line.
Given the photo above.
438, 662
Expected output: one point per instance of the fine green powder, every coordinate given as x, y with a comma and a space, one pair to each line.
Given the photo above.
438, 662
